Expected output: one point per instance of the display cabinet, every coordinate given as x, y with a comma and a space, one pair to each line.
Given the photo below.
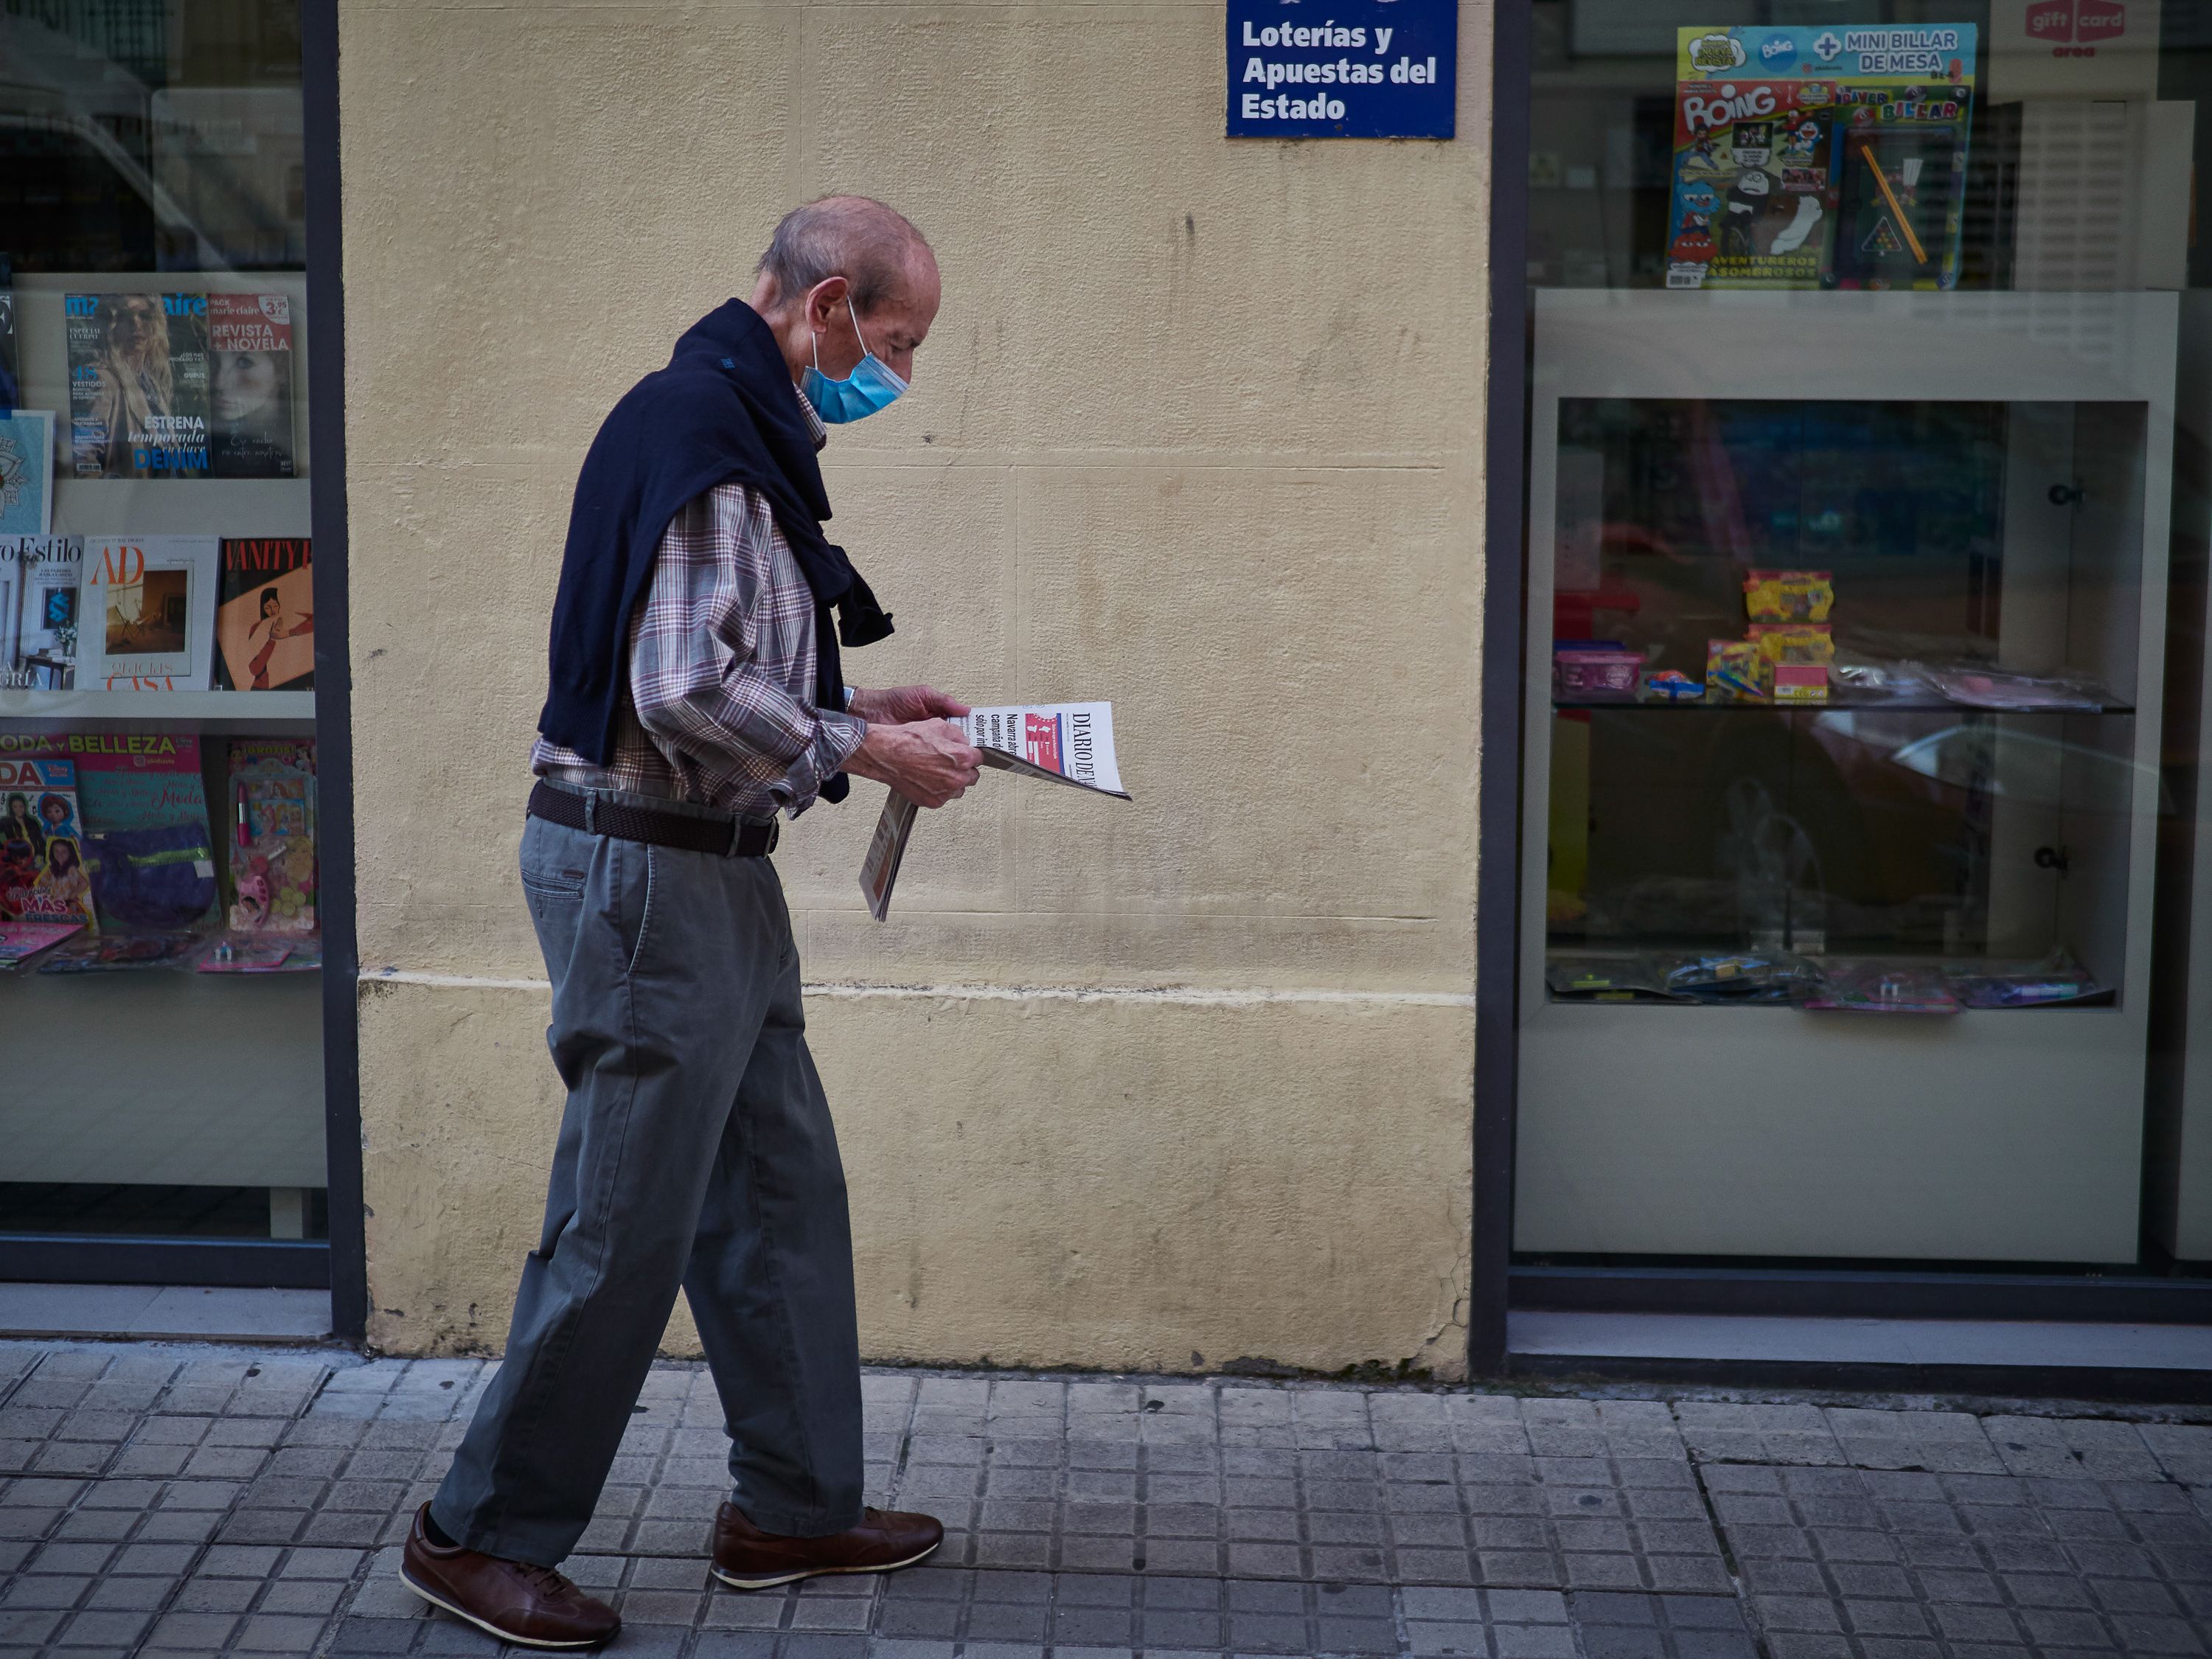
197, 1094
165, 1063
1846, 613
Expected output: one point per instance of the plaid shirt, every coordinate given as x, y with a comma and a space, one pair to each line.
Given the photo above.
720, 702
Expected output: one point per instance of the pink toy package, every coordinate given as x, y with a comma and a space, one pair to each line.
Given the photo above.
1594, 671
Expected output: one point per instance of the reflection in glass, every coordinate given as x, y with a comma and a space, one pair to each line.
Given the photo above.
1899, 813
150, 136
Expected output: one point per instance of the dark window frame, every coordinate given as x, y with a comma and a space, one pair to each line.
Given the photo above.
349, 1244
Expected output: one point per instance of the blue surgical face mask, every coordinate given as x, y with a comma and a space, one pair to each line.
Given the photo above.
871, 385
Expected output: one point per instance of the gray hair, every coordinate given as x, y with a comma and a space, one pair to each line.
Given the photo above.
855, 237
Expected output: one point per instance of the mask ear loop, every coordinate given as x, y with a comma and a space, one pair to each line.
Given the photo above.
857, 335
815, 344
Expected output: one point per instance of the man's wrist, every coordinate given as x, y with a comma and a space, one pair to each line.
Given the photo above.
865, 761
842, 736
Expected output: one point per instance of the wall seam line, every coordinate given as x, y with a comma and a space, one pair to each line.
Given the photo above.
856, 991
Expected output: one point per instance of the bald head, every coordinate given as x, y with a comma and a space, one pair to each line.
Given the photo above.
874, 247
848, 251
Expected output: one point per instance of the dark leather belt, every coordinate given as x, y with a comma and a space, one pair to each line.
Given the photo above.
596, 815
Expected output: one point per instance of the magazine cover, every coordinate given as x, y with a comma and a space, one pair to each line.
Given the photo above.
138, 385
1819, 156
147, 843
272, 836
45, 643
265, 619
27, 473
148, 613
20, 941
250, 385
42, 869
109, 953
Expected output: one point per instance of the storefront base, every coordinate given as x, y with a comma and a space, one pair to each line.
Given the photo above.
1153, 1181
2000, 1359
164, 1313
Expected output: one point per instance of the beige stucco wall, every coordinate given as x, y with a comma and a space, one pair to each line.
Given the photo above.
1198, 429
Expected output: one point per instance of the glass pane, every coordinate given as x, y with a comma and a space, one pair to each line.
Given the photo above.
1885, 525
159, 998
1867, 446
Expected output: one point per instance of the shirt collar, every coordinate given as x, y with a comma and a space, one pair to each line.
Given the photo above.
821, 433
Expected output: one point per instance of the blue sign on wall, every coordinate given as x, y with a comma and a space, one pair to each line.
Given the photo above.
1355, 68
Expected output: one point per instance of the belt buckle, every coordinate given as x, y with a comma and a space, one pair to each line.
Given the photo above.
774, 834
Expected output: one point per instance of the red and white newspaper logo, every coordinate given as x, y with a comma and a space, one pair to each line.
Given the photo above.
1040, 742
2065, 23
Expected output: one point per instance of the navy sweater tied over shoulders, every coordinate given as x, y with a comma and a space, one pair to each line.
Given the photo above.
723, 411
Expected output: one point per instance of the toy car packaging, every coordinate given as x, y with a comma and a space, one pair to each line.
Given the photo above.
1668, 685
1819, 155
1734, 671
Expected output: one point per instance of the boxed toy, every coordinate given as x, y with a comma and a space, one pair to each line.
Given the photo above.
1733, 672
1789, 596
1594, 668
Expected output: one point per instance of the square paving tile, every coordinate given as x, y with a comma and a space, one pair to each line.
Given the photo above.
1853, 1558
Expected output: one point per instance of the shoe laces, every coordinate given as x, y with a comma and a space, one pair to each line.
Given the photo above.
544, 1580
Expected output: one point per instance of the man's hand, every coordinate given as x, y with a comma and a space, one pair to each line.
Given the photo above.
902, 705
927, 760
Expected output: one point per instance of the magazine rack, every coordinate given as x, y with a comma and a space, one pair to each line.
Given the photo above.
118, 507
164, 1077
1993, 1134
276, 713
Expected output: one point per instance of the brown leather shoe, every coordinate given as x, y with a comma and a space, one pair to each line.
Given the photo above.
531, 1607
745, 1558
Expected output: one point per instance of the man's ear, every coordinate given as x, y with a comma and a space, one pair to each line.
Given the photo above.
824, 300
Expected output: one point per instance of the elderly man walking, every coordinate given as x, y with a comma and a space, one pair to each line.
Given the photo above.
698, 693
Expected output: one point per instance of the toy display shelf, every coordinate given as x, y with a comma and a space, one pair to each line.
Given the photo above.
1706, 1131
1833, 705
278, 713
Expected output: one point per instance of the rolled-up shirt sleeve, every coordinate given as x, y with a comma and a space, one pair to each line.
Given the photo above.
721, 662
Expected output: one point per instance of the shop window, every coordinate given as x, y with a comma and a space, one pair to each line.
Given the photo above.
160, 904
1866, 543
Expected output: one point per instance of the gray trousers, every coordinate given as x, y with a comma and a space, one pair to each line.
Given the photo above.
696, 1149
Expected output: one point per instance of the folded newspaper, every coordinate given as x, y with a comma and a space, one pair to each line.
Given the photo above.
1069, 743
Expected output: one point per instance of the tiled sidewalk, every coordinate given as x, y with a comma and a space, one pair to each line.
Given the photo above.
176, 1500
